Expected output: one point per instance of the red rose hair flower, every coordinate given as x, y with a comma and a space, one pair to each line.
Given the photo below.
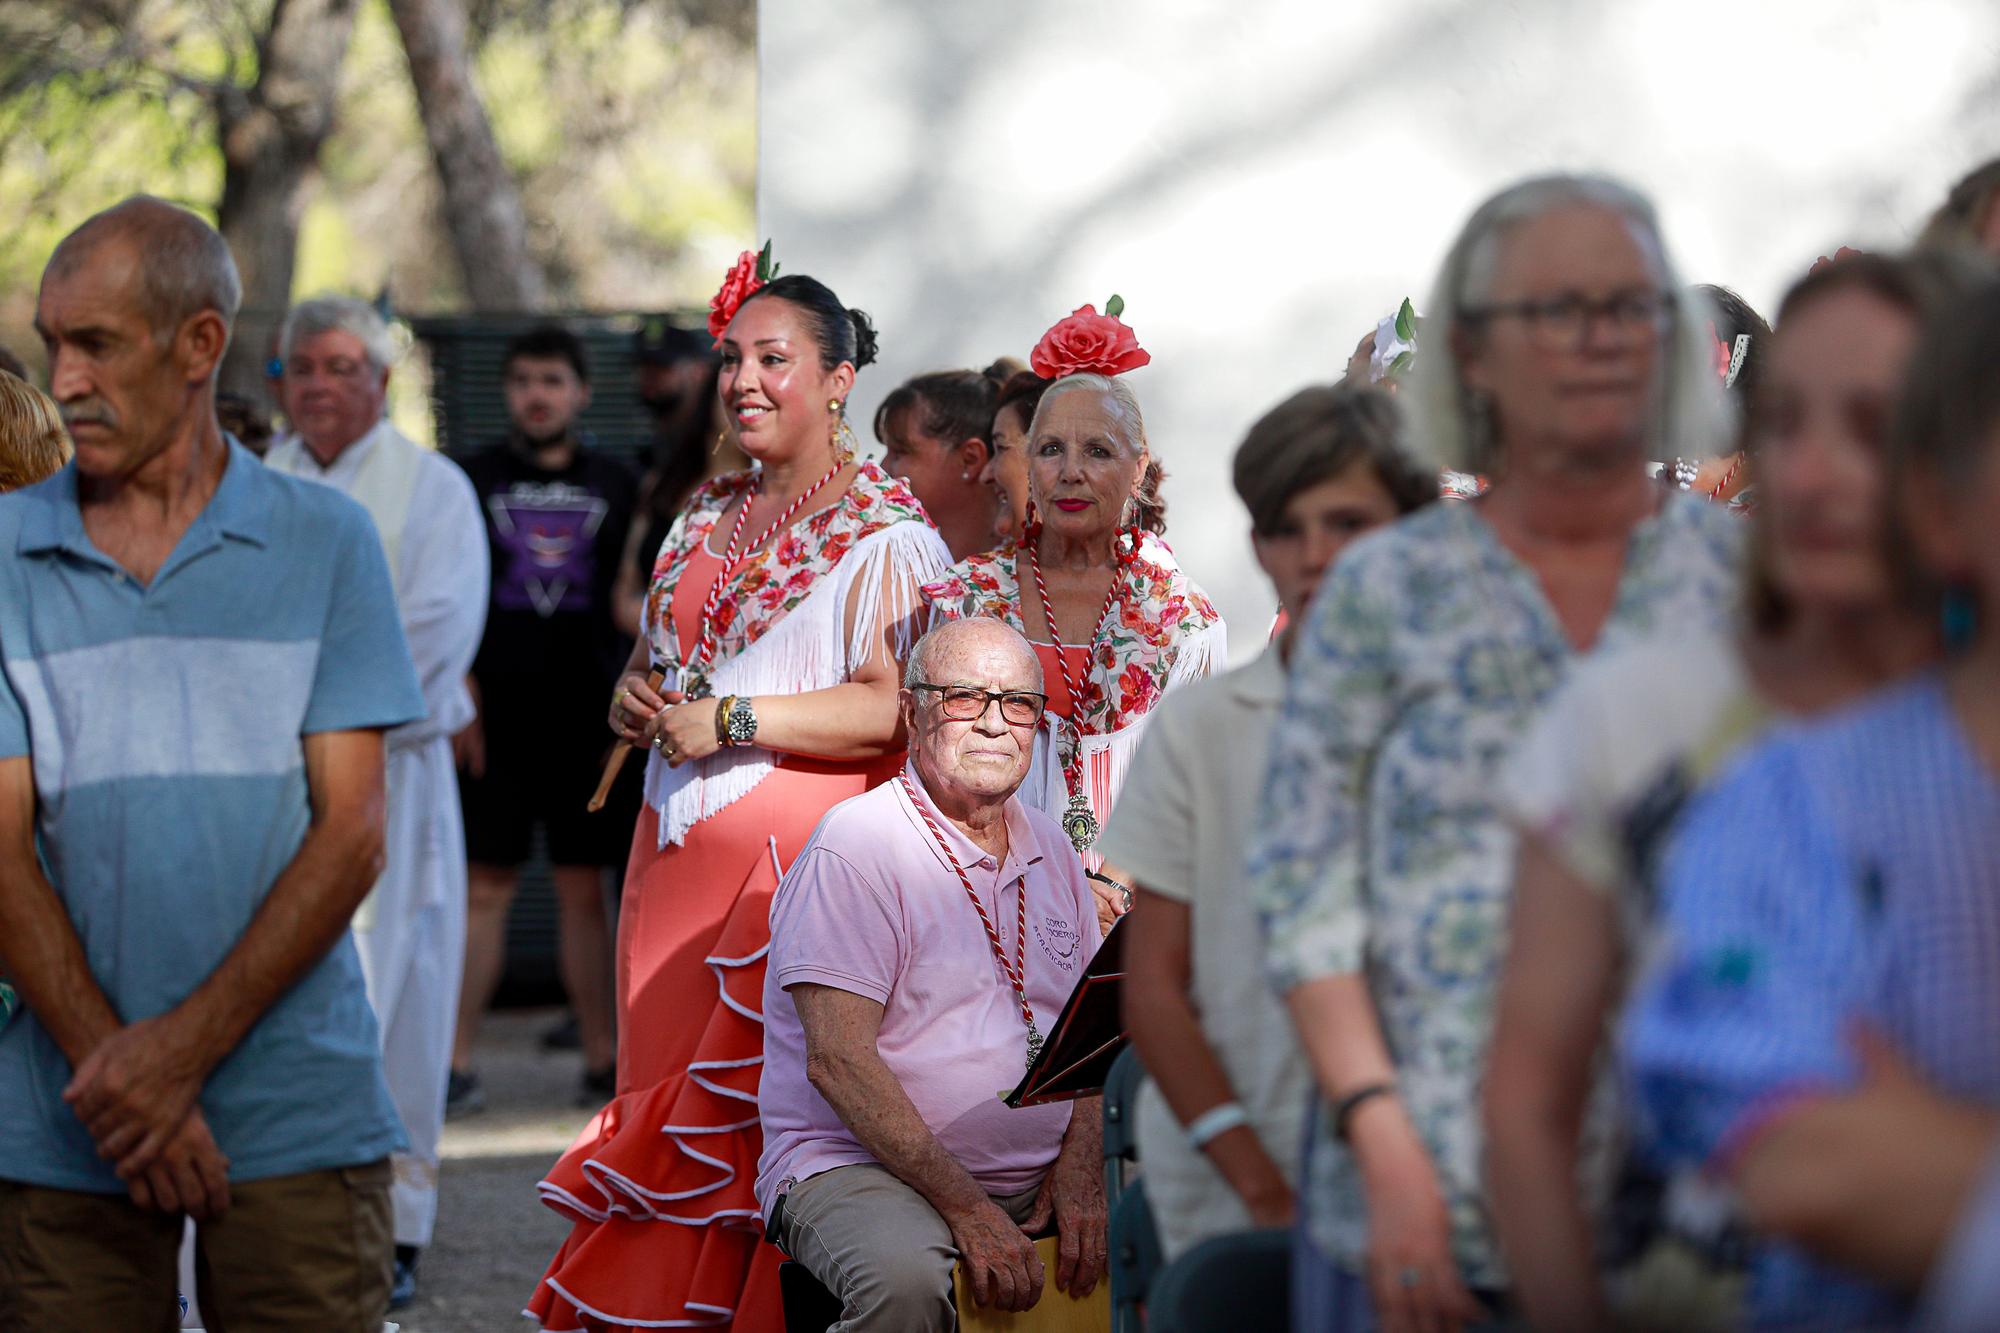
752, 270
1089, 343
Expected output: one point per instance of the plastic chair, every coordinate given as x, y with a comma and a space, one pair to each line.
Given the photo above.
1121, 1106
1134, 1241
1241, 1280
1134, 1256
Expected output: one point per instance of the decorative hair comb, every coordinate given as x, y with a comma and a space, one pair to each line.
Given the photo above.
1087, 343
752, 270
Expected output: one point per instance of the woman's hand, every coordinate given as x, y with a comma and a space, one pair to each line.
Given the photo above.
1412, 1278
683, 730
634, 704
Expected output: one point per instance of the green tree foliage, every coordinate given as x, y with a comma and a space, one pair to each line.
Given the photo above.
629, 123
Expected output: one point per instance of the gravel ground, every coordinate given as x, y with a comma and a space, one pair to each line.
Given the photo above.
494, 1237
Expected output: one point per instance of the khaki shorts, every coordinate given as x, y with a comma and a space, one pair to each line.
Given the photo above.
310, 1253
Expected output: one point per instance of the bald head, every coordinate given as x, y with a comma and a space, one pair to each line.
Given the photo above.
951, 645
972, 761
174, 264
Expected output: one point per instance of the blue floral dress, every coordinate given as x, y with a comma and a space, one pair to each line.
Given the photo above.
1382, 845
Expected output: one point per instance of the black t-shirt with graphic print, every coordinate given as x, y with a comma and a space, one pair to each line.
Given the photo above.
556, 538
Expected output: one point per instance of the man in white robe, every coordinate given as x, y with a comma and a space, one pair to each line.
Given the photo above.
411, 931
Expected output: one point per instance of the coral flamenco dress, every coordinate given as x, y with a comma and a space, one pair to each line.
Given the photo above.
666, 1233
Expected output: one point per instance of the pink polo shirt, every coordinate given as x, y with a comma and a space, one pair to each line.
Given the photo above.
871, 906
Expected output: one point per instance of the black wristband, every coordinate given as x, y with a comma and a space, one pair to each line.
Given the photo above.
1344, 1109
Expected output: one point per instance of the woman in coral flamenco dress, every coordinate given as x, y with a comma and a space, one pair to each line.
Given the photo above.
780, 608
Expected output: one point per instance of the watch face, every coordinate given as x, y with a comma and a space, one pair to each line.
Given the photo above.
742, 722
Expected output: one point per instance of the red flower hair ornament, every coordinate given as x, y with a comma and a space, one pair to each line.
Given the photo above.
751, 271
1089, 343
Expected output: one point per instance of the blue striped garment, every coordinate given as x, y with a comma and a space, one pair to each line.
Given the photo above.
1845, 870
164, 726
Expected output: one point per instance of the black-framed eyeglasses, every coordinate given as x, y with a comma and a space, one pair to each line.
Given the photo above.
968, 703
1566, 320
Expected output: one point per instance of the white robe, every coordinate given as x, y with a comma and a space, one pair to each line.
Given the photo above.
411, 930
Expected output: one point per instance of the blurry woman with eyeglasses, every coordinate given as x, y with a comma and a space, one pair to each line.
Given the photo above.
1560, 357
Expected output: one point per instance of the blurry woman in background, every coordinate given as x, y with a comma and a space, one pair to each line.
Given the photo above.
934, 430
1006, 470
1597, 788
1559, 355
1318, 470
1841, 885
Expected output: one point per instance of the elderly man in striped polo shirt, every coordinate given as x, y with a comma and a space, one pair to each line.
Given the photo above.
198, 658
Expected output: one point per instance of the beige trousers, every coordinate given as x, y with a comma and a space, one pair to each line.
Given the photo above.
879, 1246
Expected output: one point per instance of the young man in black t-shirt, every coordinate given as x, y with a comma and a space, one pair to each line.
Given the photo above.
557, 515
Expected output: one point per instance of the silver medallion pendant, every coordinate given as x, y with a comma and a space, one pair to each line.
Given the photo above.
1034, 1045
1080, 824
694, 684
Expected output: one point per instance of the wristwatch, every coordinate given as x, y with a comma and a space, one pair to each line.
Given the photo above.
735, 721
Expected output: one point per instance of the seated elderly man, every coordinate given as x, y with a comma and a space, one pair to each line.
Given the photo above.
920, 945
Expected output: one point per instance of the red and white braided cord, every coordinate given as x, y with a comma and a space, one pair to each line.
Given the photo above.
1073, 770
1016, 971
704, 648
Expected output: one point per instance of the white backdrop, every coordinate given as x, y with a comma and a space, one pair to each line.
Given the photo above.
1263, 179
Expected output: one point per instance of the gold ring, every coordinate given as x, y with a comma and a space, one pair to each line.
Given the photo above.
619, 698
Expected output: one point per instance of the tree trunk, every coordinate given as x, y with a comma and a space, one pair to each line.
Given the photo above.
482, 204
271, 135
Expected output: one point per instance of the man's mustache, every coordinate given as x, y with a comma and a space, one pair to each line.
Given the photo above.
92, 411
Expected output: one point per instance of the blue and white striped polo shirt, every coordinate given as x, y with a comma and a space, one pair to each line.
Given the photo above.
164, 723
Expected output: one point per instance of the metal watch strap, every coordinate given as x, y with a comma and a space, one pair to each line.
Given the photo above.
739, 721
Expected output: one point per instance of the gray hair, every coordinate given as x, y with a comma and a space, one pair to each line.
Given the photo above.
185, 266
946, 632
1123, 406
339, 314
1449, 432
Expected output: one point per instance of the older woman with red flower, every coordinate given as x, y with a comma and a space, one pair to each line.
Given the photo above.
1090, 583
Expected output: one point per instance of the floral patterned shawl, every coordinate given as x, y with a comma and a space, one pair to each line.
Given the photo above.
781, 626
